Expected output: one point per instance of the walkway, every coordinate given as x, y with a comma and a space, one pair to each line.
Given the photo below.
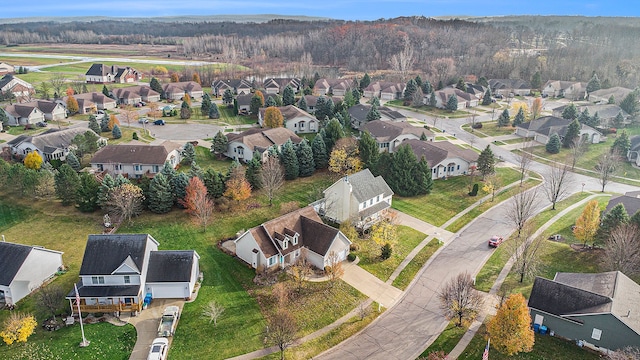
374, 288
146, 324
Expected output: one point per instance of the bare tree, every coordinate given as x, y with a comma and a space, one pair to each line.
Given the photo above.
301, 269
281, 292
272, 176
606, 167
459, 299
522, 207
558, 179
524, 161
282, 330
403, 61
622, 249
524, 248
129, 114
49, 298
334, 270
58, 81
125, 201
212, 310
578, 147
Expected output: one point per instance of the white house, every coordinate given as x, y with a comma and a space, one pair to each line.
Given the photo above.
51, 144
278, 243
177, 90
445, 159
21, 89
135, 161
119, 270
572, 90
242, 146
6, 68
101, 73
390, 134
361, 198
236, 86
295, 119
18, 115
633, 155
542, 128
23, 269
384, 90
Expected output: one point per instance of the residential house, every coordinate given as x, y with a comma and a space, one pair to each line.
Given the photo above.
244, 101
89, 103
633, 155
237, 86
118, 270
135, 161
277, 85
18, 115
312, 100
19, 88
390, 134
445, 159
603, 95
361, 198
295, 119
50, 110
571, 90
506, 87
358, 114
542, 128
51, 144
242, 146
384, 90
335, 87
630, 201
101, 74
135, 94
599, 309
278, 243
6, 68
465, 99
176, 91
606, 112
23, 269
475, 89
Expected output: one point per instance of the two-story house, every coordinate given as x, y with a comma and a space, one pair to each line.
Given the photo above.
101, 73
236, 86
135, 161
277, 85
119, 270
360, 198
19, 88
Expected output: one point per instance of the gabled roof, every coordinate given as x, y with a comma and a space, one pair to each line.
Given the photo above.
98, 70
290, 112
326, 84
635, 143
437, 151
105, 253
630, 201
171, 266
12, 256
134, 92
21, 110
264, 138
365, 186
618, 92
231, 84
561, 299
184, 86
462, 96
507, 84
131, 154
312, 100
548, 125
605, 111
95, 97
359, 112
5, 80
52, 139
385, 130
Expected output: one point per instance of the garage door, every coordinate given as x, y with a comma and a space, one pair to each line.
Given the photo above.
168, 290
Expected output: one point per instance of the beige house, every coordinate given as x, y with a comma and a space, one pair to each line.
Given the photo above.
19, 115
6, 68
101, 73
136, 161
390, 134
602, 96
542, 128
51, 144
236, 86
89, 103
336, 87
277, 85
176, 91
506, 87
445, 159
135, 94
358, 114
241, 146
295, 119
384, 90
571, 90
465, 99
19, 88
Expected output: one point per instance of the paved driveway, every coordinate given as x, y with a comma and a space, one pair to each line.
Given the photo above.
147, 326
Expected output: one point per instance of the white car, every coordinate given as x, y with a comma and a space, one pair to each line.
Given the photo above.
159, 349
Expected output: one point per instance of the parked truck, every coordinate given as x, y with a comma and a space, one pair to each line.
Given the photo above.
169, 321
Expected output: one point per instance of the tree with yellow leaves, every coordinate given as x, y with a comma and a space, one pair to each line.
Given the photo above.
273, 117
33, 160
186, 98
175, 77
18, 327
588, 223
196, 78
510, 330
520, 105
491, 184
343, 164
238, 188
72, 105
113, 121
536, 108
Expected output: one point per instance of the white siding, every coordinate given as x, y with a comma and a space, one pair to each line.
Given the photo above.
39, 266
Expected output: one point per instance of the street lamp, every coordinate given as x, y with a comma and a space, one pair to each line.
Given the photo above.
582, 187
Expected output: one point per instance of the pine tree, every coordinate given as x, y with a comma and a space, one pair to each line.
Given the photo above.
573, 132
227, 97
67, 183
482, 81
418, 81
93, 124
510, 330
205, 105
373, 113
4, 119
121, 180
365, 82
611, 100
461, 85
320, 107
409, 90
615, 217
618, 121
452, 103
270, 102
185, 110
622, 144
553, 145
72, 160
570, 112
320, 156
219, 145
160, 195
116, 133
214, 182
584, 117
104, 124
195, 170
253, 171
630, 103
179, 185
103, 191
536, 80
288, 96
594, 121
289, 160
105, 91
302, 103
593, 84
427, 88
356, 95
402, 170
332, 133
423, 177
188, 153
486, 162
519, 119
154, 84
374, 101
306, 163
214, 112
369, 150
87, 195
486, 99
504, 118
168, 171
432, 99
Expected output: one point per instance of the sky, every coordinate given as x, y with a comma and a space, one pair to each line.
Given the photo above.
337, 9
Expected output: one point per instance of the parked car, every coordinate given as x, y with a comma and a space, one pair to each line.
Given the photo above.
41, 124
143, 121
159, 349
159, 122
495, 241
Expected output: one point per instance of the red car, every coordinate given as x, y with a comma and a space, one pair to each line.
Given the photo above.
495, 241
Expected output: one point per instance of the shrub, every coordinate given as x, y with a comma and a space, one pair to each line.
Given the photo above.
474, 191
385, 251
351, 257
135, 136
354, 247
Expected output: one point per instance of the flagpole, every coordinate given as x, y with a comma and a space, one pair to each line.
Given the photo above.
84, 342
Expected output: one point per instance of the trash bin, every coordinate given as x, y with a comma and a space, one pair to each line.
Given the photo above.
536, 328
543, 329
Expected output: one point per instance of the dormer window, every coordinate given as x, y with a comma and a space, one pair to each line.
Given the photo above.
285, 244
294, 241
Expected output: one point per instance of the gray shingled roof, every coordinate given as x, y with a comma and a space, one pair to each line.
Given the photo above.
365, 186
12, 256
435, 152
561, 299
105, 253
631, 203
385, 130
131, 154
104, 291
170, 266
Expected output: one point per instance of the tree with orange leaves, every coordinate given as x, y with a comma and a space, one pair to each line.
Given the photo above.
273, 117
536, 108
238, 188
197, 203
175, 77
510, 330
196, 78
70, 91
72, 104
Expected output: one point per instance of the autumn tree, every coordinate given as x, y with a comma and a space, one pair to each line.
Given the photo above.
33, 160
129, 113
72, 105
273, 117
558, 180
622, 250
174, 77
606, 167
125, 201
113, 121
522, 207
510, 330
334, 270
197, 204
587, 223
525, 251
301, 269
536, 108
459, 300
18, 327
282, 330
237, 187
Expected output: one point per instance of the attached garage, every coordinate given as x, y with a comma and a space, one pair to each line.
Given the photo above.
168, 290
172, 274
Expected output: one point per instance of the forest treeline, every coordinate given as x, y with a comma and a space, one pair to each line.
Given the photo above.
562, 48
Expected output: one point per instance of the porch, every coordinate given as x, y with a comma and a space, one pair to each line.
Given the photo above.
105, 307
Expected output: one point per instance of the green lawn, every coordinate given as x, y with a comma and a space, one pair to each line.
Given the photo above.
518, 140
491, 129
108, 342
412, 268
447, 198
447, 340
82, 68
369, 252
476, 132
18, 61
429, 110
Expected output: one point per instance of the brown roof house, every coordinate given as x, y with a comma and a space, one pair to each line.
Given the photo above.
135, 161
6, 68
444, 158
601, 310
572, 90
384, 90
506, 87
278, 243
242, 146
237, 86
602, 96
465, 99
51, 144
134, 94
21, 89
176, 91
19, 114
542, 128
277, 85
336, 87
360, 197
295, 119
101, 73
89, 103
390, 134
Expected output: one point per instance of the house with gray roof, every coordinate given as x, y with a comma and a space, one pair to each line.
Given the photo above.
236, 86
277, 85
241, 146
23, 269
134, 94
89, 103
633, 155
602, 96
445, 159
244, 101
600, 309
390, 134
50, 110
118, 270
51, 144
358, 114
101, 74
542, 128
335, 87
606, 112
384, 90
279, 243
136, 160
19, 115
177, 90
360, 198
630, 201
295, 119
19, 88
465, 99
572, 90
505, 87
312, 100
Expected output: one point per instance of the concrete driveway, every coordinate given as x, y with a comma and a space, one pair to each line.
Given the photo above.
147, 326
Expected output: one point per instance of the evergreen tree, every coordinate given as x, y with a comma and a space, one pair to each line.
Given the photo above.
621, 145
374, 101
302, 103
93, 124
160, 195
320, 107
214, 183
519, 119
121, 180
253, 171
432, 99
593, 84
486, 99
483, 82
440, 85
612, 100
67, 183
179, 185
486, 162
369, 151
168, 171
611, 220
116, 133
288, 96
618, 121
73, 161
270, 102
227, 97
536, 80
195, 170
504, 118
236, 110
105, 91
103, 191
373, 113
584, 117
553, 145
427, 88
418, 81
594, 121
402, 171
289, 161
320, 157
348, 100
630, 103
452, 103
423, 177
214, 112
461, 85
332, 133
104, 124
87, 195
188, 153
4, 119
570, 112
185, 111
306, 163
154, 84
366, 81
409, 90
219, 145
356, 95
573, 132
256, 104
382, 168
205, 105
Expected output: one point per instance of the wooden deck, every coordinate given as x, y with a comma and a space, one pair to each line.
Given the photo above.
108, 308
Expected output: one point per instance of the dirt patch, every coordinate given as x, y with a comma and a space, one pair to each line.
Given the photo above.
582, 248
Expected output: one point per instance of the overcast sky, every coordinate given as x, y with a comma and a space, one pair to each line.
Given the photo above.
339, 9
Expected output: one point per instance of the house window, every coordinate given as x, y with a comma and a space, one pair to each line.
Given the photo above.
127, 279
458, 167
240, 151
272, 260
285, 244
97, 280
156, 168
100, 167
378, 198
295, 240
434, 170
295, 125
596, 334
137, 167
